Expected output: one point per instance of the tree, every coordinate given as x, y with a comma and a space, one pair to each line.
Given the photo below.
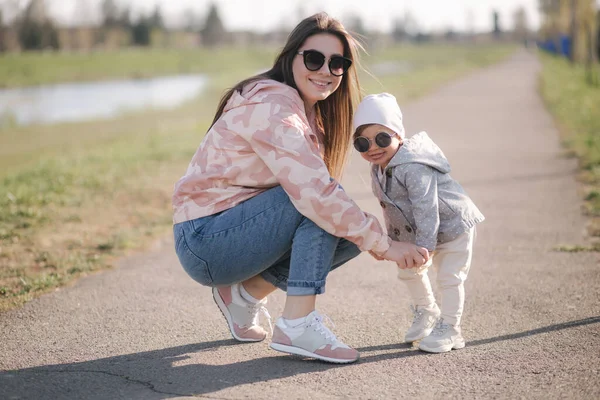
140, 32
356, 25
406, 27
110, 13
84, 15
2, 39
399, 32
568, 27
549, 7
191, 21
156, 19
124, 19
598, 36
574, 31
521, 28
497, 30
35, 30
213, 32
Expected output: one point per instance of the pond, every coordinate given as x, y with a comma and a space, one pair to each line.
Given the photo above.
71, 102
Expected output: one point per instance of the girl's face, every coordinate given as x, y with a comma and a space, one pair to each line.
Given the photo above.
380, 155
317, 85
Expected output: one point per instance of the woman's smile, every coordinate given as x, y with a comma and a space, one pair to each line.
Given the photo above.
320, 84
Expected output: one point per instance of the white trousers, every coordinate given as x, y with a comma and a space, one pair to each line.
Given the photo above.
451, 261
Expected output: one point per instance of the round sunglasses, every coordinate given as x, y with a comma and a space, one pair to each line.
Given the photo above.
314, 60
363, 144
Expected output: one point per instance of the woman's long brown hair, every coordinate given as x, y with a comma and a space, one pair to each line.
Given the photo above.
334, 114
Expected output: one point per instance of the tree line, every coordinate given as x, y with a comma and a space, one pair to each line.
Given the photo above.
571, 28
35, 29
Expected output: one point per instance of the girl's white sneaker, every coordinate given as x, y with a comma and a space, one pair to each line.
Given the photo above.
443, 338
424, 318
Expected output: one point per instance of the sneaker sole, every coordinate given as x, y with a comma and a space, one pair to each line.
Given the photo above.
227, 315
442, 349
425, 334
301, 352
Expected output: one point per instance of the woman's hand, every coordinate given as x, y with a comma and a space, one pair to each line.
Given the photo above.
406, 255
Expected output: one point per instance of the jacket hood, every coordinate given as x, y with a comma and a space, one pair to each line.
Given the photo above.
255, 92
421, 149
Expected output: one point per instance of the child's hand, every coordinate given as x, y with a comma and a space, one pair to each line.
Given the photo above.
406, 255
375, 256
420, 268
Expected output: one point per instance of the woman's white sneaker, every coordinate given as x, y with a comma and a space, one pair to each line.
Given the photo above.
443, 338
311, 339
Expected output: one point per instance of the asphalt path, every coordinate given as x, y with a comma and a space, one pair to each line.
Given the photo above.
145, 330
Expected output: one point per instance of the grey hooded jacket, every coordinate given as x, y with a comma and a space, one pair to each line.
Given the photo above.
421, 203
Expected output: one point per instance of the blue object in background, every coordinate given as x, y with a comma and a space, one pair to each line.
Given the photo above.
562, 46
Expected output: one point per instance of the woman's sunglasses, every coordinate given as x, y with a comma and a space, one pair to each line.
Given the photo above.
314, 60
363, 144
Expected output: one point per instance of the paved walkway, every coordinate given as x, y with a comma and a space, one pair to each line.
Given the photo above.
532, 320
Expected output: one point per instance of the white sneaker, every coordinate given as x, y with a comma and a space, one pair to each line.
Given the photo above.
424, 319
443, 338
311, 339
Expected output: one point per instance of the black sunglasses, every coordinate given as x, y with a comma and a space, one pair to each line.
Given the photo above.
363, 144
314, 60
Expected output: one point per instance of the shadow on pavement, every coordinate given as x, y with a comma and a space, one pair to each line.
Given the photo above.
156, 375
545, 329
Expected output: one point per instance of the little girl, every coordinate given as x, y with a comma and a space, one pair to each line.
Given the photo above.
421, 204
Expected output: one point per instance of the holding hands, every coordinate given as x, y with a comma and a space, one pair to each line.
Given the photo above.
406, 255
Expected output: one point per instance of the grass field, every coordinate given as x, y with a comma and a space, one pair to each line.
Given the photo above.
576, 107
75, 196
27, 69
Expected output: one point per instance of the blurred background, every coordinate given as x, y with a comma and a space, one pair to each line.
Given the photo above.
103, 102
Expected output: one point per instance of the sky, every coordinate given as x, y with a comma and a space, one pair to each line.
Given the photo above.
377, 15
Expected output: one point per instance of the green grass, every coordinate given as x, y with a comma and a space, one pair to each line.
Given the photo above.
94, 191
575, 105
38, 68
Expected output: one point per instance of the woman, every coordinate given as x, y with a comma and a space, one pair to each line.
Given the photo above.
260, 207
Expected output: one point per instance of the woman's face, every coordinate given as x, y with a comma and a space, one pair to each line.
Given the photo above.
317, 85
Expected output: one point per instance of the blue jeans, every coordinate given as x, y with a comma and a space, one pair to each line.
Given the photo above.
264, 236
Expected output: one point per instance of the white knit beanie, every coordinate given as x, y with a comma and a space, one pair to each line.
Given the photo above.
380, 109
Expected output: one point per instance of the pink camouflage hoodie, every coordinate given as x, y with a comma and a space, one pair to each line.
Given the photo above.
263, 139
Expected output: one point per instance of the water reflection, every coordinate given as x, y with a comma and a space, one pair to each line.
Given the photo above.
83, 101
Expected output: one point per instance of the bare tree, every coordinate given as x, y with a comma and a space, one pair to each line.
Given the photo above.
574, 31
84, 15
356, 25
598, 35
497, 29
110, 13
470, 21
406, 27
191, 21
156, 19
521, 24
2, 33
